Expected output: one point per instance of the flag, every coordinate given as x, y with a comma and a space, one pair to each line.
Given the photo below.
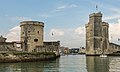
96, 7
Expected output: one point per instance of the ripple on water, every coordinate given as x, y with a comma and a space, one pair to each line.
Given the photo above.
114, 65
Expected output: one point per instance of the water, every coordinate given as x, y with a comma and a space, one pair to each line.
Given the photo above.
70, 63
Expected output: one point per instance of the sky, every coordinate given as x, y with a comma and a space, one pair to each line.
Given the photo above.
66, 19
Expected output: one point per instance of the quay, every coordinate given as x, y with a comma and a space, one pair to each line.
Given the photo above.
27, 57
31, 46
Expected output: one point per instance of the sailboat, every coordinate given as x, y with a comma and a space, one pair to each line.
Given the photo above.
103, 55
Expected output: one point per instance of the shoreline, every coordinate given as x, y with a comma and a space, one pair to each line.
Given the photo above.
113, 54
28, 58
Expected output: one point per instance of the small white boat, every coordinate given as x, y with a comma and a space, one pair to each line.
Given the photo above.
62, 54
103, 55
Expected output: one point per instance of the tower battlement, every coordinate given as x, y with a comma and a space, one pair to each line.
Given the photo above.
32, 23
99, 14
96, 34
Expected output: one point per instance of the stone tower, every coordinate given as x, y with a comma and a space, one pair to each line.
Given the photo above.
96, 34
31, 35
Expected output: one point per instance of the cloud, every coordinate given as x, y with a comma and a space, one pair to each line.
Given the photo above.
114, 32
68, 37
72, 5
44, 15
112, 17
80, 30
56, 32
64, 7
115, 15
13, 34
20, 18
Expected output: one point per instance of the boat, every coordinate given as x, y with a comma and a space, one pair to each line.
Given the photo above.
62, 54
103, 55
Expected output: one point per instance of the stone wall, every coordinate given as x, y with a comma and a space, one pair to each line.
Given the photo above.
31, 35
113, 47
97, 40
49, 47
7, 46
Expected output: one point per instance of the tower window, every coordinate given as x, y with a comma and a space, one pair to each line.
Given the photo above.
38, 32
28, 31
35, 40
22, 32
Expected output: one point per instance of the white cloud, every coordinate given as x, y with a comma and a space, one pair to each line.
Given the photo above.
73, 5
20, 18
114, 32
63, 7
13, 34
112, 17
44, 15
80, 30
56, 32
115, 15
68, 37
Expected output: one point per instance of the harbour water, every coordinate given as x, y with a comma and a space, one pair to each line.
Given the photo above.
68, 63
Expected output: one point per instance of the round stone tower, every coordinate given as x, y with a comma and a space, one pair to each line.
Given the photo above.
31, 35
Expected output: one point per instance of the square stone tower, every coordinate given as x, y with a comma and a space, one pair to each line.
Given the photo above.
96, 34
31, 35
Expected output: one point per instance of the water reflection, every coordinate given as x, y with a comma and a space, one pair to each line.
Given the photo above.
114, 65
97, 64
70, 63
43, 66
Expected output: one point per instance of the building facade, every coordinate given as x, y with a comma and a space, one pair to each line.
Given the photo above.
32, 38
31, 35
49, 47
97, 36
6, 46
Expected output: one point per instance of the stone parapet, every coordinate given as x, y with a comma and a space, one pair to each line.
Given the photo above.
32, 23
99, 14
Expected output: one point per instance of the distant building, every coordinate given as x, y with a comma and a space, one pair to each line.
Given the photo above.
82, 50
7, 46
64, 50
97, 35
49, 47
74, 50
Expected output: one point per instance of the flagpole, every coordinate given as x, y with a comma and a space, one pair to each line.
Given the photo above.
52, 41
96, 7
